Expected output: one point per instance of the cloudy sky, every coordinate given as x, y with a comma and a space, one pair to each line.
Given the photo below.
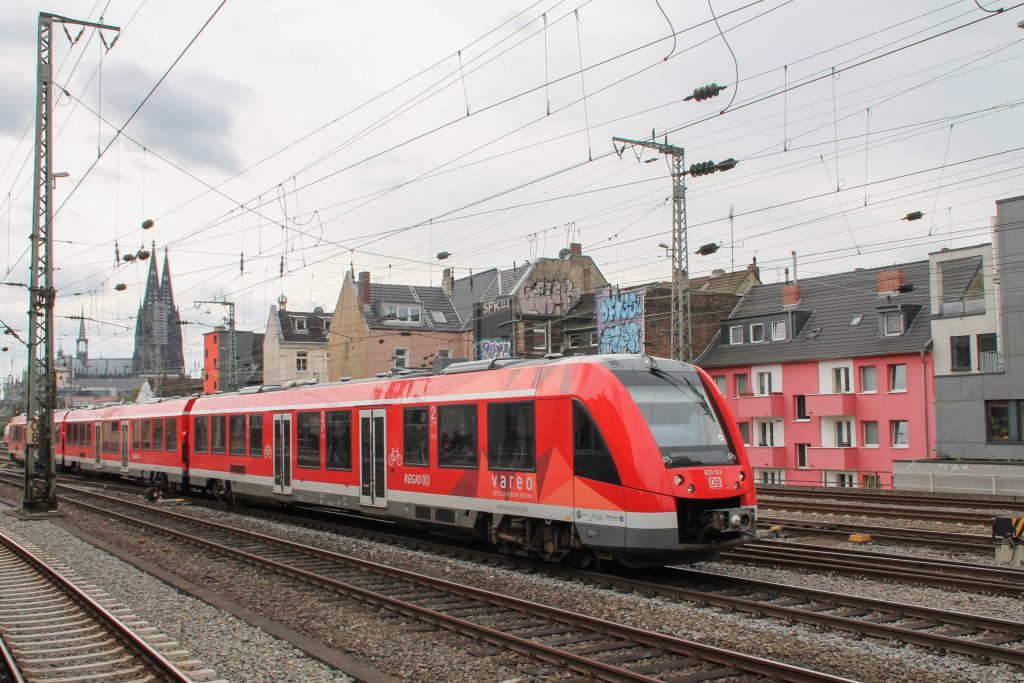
278, 145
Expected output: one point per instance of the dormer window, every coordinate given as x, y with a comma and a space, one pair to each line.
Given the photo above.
736, 334
892, 323
299, 324
779, 330
756, 333
402, 313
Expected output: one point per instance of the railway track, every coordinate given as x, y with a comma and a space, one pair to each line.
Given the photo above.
954, 632
860, 510
978, 578
53, 630
980, 502
576, 642
906, 535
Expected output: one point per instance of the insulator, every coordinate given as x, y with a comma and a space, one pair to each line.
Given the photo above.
707, 249
120, 286
143, 254
706, 92
914, 216
129, 257
147, 224
727, 165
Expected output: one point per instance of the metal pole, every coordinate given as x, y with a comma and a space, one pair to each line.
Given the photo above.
40, 471
40, 494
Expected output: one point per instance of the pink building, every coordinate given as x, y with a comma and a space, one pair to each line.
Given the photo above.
830, 378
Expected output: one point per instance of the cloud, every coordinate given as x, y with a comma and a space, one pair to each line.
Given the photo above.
190, 117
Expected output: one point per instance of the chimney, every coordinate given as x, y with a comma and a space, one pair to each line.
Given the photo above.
795, 280
790, 295
447, 281
575, 249
754, 269
890, 280
364, 287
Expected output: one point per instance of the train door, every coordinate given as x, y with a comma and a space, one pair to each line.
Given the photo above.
282, 453
97, 443
124, 445
372, 458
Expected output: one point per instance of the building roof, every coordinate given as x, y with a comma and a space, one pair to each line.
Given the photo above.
302, 327
438, 311
957, 276
821, 325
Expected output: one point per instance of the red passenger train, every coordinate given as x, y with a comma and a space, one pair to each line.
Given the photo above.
628, 457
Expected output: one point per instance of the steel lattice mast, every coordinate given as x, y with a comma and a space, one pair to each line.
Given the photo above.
41, 384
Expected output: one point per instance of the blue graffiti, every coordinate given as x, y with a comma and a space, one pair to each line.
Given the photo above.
624, 306
624, 338
487, 349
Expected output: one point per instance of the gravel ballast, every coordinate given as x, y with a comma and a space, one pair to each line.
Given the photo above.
404, 648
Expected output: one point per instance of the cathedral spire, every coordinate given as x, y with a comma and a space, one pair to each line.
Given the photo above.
82, 343
152, 282
166, 293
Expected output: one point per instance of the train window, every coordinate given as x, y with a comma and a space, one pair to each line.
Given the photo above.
88, 434
457, 436
115, 436
256, 436
202, 435
136, 434
591, 457
236, 434
158, 434
105, 440
147, 443
218, 434
417, 437
308, 441
512, 436
339, 440
170, 434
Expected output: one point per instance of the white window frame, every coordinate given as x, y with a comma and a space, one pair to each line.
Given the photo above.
760, 333
893, 388
572, 340
778, 330
866, 441
896, 329
301, 361
863, 373
401, 357
722, 384
895, 431
801, 456
542, 332
766, 434
594, 338
299, 324
764, 383
841, 380
844, 428
733, 329
406, 314
444, 353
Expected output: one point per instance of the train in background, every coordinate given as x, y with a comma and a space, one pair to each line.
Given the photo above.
628, 457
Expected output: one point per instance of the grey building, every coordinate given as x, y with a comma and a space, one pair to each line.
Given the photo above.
979, 332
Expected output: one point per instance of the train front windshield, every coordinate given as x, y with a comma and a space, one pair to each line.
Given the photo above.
685, 424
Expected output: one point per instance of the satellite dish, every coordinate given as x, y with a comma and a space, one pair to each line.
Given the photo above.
563, 253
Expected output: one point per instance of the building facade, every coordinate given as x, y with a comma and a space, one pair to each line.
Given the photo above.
978, 327
295, 346
831, 378
378, 328
217, 370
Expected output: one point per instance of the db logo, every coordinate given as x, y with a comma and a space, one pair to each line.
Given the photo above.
394, 457
268, 450
715, 482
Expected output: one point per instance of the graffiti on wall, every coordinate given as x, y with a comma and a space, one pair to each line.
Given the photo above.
487, 349
620, 322
548, 298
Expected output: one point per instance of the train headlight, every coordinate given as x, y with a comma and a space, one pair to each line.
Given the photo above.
691, 488
678, 479
743, 475
736, 485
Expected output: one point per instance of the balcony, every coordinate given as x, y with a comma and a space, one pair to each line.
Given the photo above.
820, 405
768, 405
825, 458
766, 456
990, 361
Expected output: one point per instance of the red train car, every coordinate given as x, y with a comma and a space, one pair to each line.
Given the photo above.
14, 437
626, 457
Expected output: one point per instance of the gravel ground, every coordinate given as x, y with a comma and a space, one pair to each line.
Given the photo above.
235, 650
406, 649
